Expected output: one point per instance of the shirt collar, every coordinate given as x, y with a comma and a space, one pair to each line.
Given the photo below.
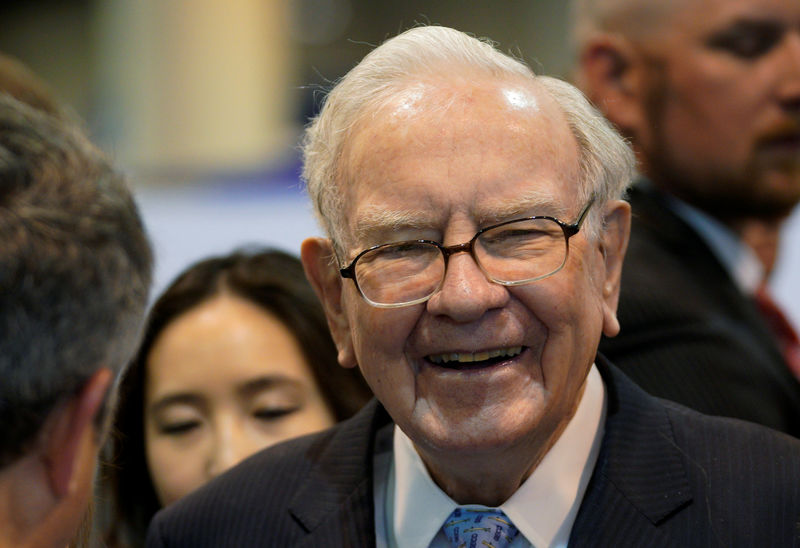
736, 257
543, 508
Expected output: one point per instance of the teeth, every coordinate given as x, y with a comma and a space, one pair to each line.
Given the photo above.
468, 357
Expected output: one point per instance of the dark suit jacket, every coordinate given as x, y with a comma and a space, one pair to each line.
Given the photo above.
665, 476
688, 333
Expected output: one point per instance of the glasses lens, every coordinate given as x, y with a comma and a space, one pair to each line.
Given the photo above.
522, 251
400, 273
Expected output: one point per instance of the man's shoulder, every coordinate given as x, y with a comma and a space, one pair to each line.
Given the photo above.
676, 477
745, 477
696, 435
706, 434
261, 500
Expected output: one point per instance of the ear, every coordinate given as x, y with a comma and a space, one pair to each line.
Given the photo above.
614, 241
612, 76
319, 262
70, 446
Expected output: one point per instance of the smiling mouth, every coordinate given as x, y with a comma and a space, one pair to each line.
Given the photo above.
472, 360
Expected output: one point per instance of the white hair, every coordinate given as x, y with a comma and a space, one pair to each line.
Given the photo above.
425, 52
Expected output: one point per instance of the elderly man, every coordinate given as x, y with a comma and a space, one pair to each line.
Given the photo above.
708, 91
476, 238
75, 269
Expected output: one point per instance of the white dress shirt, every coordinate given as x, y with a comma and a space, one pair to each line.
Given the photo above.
410, 508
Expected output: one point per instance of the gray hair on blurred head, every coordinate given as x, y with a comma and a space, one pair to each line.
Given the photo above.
75, 268
635, 19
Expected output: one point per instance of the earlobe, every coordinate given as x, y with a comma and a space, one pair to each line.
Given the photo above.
615, 237
70, 429
321, 270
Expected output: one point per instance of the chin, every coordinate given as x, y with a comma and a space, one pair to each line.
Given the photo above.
488, 430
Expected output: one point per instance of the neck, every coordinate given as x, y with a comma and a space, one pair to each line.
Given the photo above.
20, 501
30, 516
483, 479
490, 476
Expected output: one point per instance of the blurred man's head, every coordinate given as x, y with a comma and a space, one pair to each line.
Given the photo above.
476, 209
75, 269
707, 90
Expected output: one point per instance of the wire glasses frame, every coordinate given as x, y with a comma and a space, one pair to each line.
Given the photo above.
405, 249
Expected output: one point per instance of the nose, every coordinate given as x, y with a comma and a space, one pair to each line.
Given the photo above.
466, 294
790, 86
231, 445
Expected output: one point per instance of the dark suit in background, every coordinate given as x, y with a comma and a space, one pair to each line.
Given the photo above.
713, 111
688, 333
658, 481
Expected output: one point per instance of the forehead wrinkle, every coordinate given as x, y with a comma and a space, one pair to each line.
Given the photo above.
527, 204
372, 219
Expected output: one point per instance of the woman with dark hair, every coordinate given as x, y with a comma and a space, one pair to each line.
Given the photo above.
236, 356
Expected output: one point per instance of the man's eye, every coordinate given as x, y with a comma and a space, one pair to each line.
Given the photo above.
409, 250
516, 235
748, 40
272, 413
179, 428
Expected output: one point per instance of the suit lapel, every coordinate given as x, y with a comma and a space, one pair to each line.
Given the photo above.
639, 480
335, 503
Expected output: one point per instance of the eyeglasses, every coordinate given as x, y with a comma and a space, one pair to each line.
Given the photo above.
510, 253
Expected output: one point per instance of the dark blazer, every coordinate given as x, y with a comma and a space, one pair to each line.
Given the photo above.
665, 476
688, 334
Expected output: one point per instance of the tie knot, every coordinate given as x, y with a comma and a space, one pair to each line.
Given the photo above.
490, 528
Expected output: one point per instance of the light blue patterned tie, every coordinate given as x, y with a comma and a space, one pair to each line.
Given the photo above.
491, 528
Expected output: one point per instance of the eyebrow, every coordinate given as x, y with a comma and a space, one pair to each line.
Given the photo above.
719, 37
756, 20
177, 398
531, 203
374, 219
267, 382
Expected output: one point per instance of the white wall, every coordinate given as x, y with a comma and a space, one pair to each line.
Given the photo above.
191, 222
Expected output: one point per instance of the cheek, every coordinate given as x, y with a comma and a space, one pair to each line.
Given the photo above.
313, 418
713, 106
381, 336
176, 469
571, 309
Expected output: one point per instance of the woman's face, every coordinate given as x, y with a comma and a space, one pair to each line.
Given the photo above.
223, 380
